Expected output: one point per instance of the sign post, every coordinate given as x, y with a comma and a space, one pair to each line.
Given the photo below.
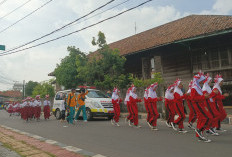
2, 47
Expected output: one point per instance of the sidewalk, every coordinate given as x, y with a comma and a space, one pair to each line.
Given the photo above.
30, 147
4, 151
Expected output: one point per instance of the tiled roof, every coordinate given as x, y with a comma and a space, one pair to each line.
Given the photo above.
184, 28
14, 94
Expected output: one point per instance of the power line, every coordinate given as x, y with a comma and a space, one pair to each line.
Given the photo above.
26, 16
106, 19
7, 14
3, 2
59, 28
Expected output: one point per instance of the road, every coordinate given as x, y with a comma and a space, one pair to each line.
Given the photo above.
101, 137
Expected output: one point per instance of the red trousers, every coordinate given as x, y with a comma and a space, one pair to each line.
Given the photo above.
220, 108
192, 112
211, 106
204, 117
26, 113
116, 107
130, 116
37, 112
146, 103
171, 111
154, 115
179, 108
135, 117
46, 111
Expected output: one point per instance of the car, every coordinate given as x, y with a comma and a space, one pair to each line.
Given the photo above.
96, 102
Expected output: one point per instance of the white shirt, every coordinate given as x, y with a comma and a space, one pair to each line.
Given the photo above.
37, 103
46, 102
62, 106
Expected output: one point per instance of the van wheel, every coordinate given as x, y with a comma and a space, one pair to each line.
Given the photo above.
58, 114
89, 114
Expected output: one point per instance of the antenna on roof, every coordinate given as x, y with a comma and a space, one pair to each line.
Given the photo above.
135, 28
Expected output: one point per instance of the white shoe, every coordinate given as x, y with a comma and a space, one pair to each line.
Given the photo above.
129, 123
173, 126
126, 120
207, 140
154, 128
168, 125
117, 124
85, 121
221, 130
112, 122
183, 131
149, 125
138, 126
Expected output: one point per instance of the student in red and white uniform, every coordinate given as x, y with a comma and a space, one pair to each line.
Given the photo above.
218, 97
26, 111
152, 106
37, 104
146, 103
179, 106
116, 105
22, 109
192, 112
10, 109
133, 99
198, 101
46, 108
31, 109
129, 118
169, 104
211, 106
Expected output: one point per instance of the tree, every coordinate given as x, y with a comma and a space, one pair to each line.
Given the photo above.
30, 87
66, 71
43, 89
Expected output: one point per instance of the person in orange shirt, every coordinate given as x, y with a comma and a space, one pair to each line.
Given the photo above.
72, 102
81, 102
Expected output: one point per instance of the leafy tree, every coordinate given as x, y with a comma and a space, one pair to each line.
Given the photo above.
30, 87
43, 90
66, 71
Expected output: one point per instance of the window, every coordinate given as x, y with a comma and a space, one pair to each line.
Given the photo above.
214, 59
224, 57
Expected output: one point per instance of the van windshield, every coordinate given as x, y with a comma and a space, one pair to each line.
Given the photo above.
96, 94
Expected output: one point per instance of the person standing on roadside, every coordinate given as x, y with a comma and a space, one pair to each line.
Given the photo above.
81, 102
72, 102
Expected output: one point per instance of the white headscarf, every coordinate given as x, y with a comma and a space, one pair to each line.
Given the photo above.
190, 87
132, 93
206, 86
217, 80
177, 89
196, 80
151, 92
168, 94
115, 94
146, 93
127, 96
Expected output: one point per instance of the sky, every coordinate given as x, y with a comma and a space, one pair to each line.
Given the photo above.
35, 64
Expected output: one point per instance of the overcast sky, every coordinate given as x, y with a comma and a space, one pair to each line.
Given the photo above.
35, 64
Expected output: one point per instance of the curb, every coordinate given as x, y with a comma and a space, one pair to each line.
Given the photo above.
52, 142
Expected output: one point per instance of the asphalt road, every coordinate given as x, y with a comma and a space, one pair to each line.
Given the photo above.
101, 137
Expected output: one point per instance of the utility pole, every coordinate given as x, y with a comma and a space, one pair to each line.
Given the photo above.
23, 89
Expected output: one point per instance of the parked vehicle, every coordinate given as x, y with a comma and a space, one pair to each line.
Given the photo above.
97, 104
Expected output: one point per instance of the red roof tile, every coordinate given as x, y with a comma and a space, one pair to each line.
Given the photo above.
184, 28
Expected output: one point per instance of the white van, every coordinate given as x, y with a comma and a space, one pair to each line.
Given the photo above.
96, 102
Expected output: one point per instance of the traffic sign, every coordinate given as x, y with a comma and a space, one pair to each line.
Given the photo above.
2, 47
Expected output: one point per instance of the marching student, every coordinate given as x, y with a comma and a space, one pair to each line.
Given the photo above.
46, 108
129, 118
152, 106
198, 99
33, 109
211, 106
116, 105
63, 108
179, 106
26, 111
133, 99
10, 109
192, 112
81, 102
169, 104
22, 112
72, 102
218, 97
37, 104
146, 103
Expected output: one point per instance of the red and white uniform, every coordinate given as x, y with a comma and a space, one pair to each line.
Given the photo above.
133, 99
179, 106
169, 104
218, 97
146, 103
198, 101
37, 104
116, 104
26, 111
192, 112
46, 109
10, 109
128, 104
152, 106
210, 104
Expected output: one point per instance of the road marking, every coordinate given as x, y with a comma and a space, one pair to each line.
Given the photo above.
99, 155
73, 149
51, 141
